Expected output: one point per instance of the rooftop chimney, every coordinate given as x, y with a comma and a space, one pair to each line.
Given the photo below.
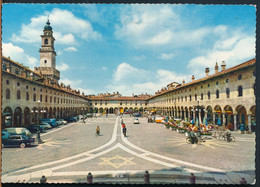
216, 68
183, 81
192, 78
8, 69
207, 72
223, 66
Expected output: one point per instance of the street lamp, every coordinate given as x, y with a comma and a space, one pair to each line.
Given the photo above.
36, 111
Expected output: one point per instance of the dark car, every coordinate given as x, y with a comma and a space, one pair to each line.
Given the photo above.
33, 128
137, 114
17, 140
71, 119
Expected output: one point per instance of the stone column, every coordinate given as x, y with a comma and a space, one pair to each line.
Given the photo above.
235, 122
214, 116
224, 119
249, 122
189, 115
200, 122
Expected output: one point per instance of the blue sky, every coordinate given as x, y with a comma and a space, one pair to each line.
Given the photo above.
131, 48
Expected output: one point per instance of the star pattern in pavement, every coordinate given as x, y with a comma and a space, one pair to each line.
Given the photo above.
52, 143
125, 161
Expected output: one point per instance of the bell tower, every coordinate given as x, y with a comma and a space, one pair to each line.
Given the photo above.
48, 56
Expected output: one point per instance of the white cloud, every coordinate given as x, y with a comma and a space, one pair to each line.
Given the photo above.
128, 79
66, 27
166, 56
70, 49
17, 54
127, 73
72, 83
75, 85
59, 53
149, 26
232, 50
62, 67
104, 68
86, 91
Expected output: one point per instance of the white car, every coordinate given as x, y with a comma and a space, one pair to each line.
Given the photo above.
63, 121
136, 121
18, 131
46, 126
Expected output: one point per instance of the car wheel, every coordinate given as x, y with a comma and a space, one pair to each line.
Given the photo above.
22, 145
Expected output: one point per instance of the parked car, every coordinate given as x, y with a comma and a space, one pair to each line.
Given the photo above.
58, 123
17, 140
63, 121
33, 128
46, 126
159, 119
18, 130
71, 119
5, 134
136, 121
51, 121
137, 114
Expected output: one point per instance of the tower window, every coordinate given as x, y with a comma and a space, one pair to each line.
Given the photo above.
45, 61
240, 91
7, 94
46, 41
27, 96
217, 94
18, 94
227, 92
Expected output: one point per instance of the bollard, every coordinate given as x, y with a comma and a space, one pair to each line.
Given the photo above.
43, 180
146, 177
243, 181
89, 178
192, 179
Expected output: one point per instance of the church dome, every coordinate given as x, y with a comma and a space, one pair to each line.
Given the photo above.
47, 26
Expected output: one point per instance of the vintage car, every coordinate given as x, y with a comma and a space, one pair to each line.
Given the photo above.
159, 119
17, 140
136, 121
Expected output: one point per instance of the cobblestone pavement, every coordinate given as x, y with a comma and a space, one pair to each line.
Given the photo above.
71, 151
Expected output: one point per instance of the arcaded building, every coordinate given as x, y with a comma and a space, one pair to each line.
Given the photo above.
27, 94
225, 97
115, 103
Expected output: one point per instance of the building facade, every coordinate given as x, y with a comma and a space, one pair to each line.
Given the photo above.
118, 104
225, 97
28, 94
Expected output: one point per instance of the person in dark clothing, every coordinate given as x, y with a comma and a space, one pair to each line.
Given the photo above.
124, 131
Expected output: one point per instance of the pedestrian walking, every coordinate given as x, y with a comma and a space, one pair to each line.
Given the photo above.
97, 131
124, 131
